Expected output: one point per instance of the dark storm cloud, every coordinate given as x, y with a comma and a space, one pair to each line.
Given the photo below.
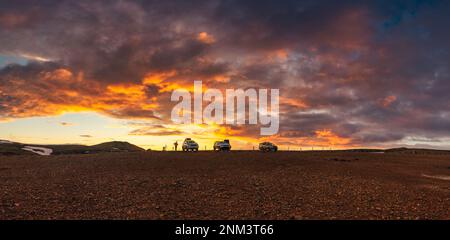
379, 138
85, 136
368, 71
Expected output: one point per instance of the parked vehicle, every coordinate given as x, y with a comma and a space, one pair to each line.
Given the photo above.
189, 145
222, 145
268, 147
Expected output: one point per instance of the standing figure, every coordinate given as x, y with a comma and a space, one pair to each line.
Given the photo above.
175, 144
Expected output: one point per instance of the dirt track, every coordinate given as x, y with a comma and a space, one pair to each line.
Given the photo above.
233, 185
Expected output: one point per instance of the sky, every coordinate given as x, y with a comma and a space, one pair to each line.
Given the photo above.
351, 74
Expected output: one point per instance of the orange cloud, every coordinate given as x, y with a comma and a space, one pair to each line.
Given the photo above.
166, 81
60, 91
293, 102
387, 101
280, 54
205, 37
10, 20
331, 138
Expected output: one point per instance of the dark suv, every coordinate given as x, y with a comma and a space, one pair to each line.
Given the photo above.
222, 145
268, 147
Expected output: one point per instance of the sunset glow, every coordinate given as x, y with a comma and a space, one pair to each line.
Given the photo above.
349, 75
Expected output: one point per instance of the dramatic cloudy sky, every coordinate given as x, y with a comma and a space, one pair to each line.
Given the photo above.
350, 73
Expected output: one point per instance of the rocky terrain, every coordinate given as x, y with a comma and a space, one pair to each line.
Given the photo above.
227, 185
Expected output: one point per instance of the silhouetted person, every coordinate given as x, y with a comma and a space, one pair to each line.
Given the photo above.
175, 144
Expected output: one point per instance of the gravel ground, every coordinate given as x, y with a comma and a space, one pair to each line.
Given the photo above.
229, 185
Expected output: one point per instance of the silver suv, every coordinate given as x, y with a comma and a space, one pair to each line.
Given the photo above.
222, 145
189, 145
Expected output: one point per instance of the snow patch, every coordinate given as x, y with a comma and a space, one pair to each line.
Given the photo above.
38, 150
441, 177
5, 142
